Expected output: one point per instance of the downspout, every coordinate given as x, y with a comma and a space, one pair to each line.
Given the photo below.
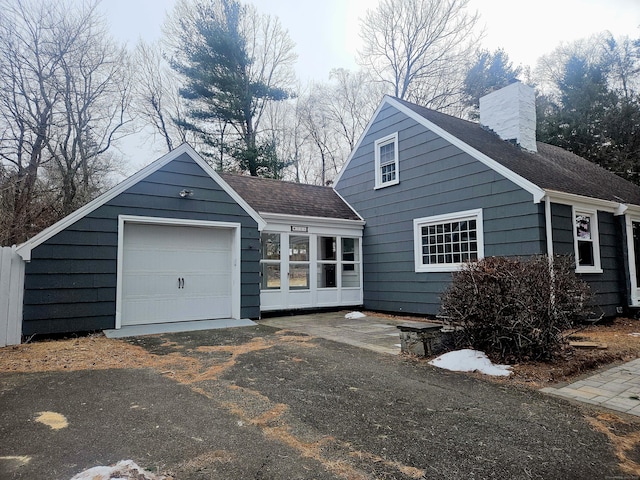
549, 238
548, 228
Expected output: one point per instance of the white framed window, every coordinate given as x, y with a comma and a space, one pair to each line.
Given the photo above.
586, 241
443, 243
350, 262
386, 155
270, 261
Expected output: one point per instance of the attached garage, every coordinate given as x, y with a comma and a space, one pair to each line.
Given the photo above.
172, 243
177, 271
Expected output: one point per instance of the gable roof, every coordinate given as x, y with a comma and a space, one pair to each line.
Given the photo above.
24, 249
551, 169
267, 195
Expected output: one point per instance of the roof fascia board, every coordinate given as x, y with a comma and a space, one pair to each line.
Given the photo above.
348, 205
316, 221
633, 210
537, 192
357, 145
617, 208
24, 250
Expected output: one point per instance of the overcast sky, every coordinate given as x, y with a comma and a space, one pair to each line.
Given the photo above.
326, 32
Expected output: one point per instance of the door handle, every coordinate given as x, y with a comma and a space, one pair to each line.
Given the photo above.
180, 282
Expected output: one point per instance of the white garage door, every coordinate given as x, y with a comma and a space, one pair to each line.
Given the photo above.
175, 273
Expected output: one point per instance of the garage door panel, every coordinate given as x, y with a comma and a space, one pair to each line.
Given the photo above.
175, 273
146, 285
208, 284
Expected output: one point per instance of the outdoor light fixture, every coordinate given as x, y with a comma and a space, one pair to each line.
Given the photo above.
186, 193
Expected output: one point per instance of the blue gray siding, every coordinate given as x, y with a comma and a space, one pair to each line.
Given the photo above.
70, 283
609, 287
436, 178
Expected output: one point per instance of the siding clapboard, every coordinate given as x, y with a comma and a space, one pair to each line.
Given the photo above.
609, 287
435, 177
70, 283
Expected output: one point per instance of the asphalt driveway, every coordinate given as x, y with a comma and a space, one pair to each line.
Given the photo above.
261, 403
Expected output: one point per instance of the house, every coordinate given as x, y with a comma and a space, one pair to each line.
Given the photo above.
179, 242
436, 191
421, 193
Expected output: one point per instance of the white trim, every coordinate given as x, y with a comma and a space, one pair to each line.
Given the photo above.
348, 205
379, 143
320, 222
581, 201
635, 298
595, 239
537, 192
24, 250
236, 262
632, 210
475, 214
548, 228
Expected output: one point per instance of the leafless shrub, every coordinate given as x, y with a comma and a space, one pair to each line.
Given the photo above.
513, 309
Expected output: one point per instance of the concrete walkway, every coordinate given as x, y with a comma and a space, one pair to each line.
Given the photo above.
616, 388
379, 334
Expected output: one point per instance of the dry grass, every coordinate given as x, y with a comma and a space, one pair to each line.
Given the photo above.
83, 353
624, 437
574, 362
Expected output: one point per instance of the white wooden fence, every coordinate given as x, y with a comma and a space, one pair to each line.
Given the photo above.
11, 292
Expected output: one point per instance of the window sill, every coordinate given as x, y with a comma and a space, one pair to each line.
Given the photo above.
387, 184
589, 270
451, 267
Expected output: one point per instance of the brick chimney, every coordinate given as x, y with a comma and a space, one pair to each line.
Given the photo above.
511, 113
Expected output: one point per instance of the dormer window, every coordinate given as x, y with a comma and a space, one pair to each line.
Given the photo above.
386, 155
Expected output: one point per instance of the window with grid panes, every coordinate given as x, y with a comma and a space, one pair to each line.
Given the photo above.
386, 160
445, 242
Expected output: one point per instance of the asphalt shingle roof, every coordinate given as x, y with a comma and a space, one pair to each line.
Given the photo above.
551, 168
275, 196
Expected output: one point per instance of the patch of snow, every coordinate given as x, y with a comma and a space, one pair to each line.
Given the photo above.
468, 360
352, 315
123, 470
634, 334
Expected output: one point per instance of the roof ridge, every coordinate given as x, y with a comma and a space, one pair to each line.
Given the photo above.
266, 179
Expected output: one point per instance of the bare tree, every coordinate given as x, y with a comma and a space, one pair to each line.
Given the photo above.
30, 57
623, 58
95, 93
315, 131
155, 92
318, 122
63, 94
351, 99
420, 49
